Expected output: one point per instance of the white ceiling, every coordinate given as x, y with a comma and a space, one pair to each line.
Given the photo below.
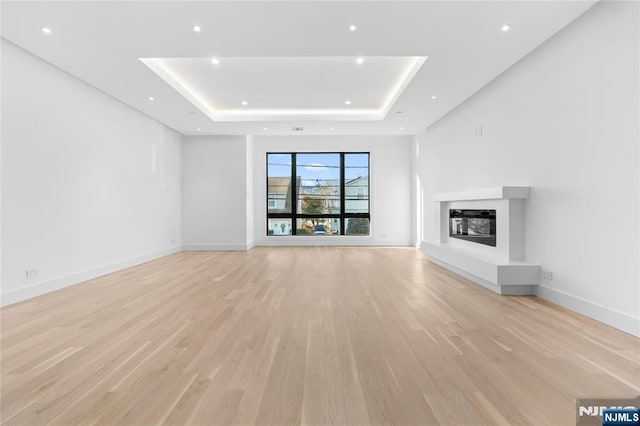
292, 61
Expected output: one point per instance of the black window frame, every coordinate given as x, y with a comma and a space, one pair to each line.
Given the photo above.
294, 216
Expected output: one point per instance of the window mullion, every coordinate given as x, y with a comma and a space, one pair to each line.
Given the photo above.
342, 194
294, 196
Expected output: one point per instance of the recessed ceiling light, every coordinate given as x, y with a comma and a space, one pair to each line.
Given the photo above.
401, 128
151, 98
434, 97
330, 128
506, 27
244, 103
215, 61
264, 128
197, 28
359, 61
198, 129
347, 102
46, 30
352, 27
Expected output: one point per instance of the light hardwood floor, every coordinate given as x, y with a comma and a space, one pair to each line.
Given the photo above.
302, 336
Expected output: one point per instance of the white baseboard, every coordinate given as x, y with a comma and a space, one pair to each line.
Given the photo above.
612, 317
27, 292
217, 247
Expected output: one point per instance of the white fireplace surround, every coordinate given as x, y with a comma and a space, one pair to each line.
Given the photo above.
502, 268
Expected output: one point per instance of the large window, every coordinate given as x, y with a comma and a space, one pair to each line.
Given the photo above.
318, 194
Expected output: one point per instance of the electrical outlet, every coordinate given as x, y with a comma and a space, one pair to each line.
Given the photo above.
547, 275
32, 273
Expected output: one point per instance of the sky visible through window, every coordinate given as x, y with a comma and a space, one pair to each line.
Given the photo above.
312, 167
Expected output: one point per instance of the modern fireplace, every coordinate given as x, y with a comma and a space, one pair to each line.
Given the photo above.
477, 226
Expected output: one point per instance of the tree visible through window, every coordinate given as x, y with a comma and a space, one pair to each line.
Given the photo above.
318, 193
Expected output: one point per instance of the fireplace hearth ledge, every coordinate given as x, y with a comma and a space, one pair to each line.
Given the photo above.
506, 278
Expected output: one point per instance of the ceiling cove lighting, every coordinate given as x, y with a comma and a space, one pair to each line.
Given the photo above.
359, 61
352, 27
196, 28
348, 112
46, 30
215, 61
506, 28
402, 82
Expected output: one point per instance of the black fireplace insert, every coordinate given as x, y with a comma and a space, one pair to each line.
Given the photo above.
477, 226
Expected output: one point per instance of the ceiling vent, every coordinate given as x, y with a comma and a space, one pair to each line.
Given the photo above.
297, 129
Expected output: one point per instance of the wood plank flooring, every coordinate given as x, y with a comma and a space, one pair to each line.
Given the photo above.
313, 335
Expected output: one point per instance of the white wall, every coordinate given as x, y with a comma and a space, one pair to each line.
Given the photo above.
89, 185
250, 195
564, 120
390, 185
214, 192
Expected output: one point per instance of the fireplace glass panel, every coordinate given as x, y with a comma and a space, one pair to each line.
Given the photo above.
476, 226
